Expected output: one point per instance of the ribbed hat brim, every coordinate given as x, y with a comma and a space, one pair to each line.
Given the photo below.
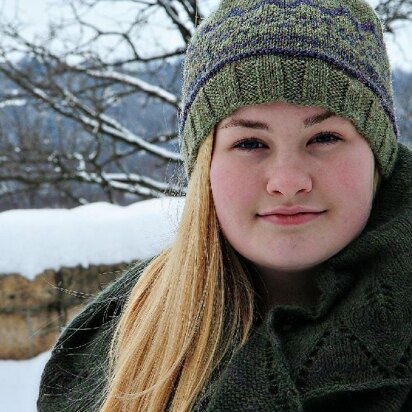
252, 80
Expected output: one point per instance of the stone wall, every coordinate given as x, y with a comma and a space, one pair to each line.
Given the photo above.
32, 312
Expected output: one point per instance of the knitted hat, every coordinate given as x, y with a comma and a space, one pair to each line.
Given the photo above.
327, 53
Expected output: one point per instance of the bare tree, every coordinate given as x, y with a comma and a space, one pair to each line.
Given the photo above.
84, 81
94, 75
392, 12
403, 101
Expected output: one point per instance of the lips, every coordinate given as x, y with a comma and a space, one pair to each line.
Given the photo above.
287, 211
291, 216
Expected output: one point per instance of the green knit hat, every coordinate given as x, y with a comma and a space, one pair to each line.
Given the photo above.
327, 53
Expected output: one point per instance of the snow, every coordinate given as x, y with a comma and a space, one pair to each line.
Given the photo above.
97, 233
20, 381
111, 127
133, 81
12, 102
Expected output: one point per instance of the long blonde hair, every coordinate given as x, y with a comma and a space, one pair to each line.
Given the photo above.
192, 307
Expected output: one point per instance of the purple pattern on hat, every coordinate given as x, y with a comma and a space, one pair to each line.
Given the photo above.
236, 33
339, 11
201, 80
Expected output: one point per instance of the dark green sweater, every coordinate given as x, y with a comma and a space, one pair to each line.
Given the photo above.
351, 352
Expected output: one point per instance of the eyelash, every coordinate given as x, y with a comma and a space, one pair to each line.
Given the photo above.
239, 144
323, 134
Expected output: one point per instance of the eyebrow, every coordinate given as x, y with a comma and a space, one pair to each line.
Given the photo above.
252, 124
319, 118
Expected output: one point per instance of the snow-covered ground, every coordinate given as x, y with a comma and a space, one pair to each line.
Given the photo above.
100, 233
20, 383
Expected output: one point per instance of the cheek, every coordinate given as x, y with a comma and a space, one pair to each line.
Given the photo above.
234, 190
352, 183
355, 172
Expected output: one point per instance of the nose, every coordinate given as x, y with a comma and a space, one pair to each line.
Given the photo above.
289, 178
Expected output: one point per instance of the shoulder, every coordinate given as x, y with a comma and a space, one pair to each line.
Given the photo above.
75, 374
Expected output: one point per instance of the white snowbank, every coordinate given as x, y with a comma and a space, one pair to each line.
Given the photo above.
20, 381
98, 233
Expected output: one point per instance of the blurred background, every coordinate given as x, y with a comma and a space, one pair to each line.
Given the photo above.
90, 174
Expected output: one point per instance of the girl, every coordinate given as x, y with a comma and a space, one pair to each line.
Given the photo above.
288, 286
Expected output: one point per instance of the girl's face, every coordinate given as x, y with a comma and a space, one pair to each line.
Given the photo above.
276, 156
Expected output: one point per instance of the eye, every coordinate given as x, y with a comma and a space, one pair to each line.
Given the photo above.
325, 138
249, 144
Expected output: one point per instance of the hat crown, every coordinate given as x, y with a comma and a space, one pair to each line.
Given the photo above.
346, 36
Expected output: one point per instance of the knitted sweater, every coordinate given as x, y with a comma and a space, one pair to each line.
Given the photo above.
351, 351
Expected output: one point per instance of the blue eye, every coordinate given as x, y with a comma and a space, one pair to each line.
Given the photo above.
249, 144
325, 138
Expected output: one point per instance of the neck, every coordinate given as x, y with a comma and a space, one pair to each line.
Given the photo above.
285, 288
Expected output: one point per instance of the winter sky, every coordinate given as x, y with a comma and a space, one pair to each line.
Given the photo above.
37, 13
